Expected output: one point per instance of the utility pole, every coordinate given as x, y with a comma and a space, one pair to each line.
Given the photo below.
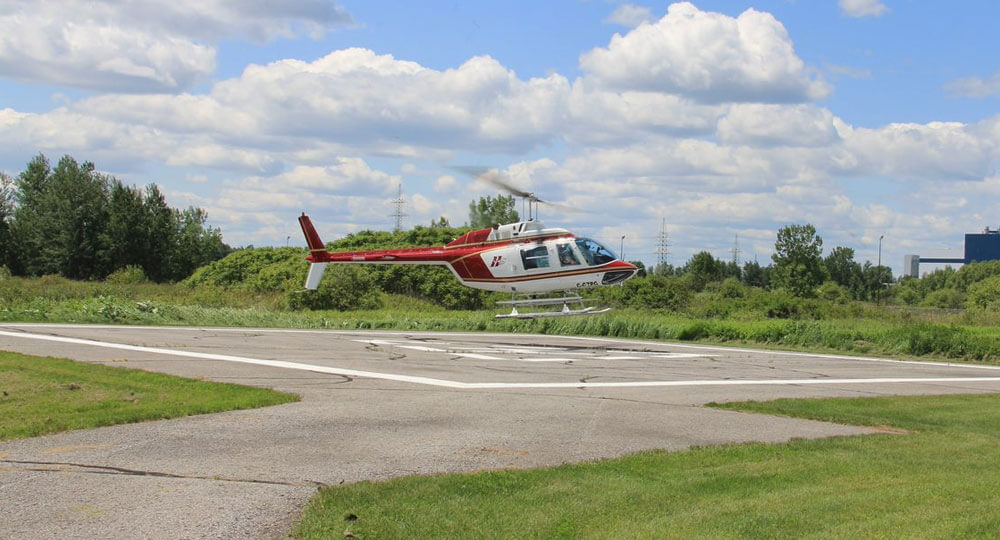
397, 215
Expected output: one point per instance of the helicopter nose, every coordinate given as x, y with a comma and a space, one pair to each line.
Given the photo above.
618, 272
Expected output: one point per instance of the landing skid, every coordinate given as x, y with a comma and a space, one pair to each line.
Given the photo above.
537, 302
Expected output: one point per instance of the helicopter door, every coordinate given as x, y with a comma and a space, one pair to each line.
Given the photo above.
567, 257
535, 257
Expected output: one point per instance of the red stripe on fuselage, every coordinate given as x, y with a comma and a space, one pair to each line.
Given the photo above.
612, 266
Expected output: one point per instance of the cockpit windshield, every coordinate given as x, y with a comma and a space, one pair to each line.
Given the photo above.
595, 253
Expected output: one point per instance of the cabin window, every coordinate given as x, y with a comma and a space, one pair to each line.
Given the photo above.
536, 257
566, 255
595, 253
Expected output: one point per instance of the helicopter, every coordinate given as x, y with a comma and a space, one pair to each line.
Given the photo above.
526, 259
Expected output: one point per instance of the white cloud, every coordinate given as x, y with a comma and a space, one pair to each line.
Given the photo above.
939, 151
975, 87
376, 100
629, 15
601, 116
767, 125
699, 117
862, 8
708, 57
142, 45
349, 176
445, 183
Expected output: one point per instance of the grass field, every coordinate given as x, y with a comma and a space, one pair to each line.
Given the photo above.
48, 395
856, 328
935, 476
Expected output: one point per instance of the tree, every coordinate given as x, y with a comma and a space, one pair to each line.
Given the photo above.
62, 219
842, 267
126, 232
703, 268
161, 231
27, 236
797, 263
440, 223
489, 210
755, 275
873, 280
666, 269
81, 224
6, 214
196, 243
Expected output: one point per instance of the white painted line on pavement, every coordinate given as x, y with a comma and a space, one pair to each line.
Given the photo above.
240, 359
483, 386
404, 334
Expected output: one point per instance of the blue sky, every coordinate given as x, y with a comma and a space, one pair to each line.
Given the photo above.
724, 118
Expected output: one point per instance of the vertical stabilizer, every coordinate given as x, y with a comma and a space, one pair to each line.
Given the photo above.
315, 275
317, 253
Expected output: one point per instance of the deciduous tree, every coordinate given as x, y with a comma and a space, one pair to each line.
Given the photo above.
489, 210
798, 266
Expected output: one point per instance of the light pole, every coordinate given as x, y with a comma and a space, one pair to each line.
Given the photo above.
621, 248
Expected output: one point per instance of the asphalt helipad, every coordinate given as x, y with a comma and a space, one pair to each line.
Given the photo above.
382, 404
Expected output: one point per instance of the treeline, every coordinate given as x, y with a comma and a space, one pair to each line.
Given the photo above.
799, 283
798, 267
798, 276
78, 223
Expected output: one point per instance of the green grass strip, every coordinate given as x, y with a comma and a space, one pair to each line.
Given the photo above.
938, 480
49, 395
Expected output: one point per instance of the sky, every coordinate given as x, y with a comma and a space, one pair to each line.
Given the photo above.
717, 122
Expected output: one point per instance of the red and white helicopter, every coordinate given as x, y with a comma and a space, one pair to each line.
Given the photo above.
524, 258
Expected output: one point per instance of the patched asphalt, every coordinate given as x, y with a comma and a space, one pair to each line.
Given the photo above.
377, 405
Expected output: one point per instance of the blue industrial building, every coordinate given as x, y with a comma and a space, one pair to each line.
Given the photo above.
979, 247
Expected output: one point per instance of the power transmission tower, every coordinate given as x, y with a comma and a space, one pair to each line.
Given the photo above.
736, 250
662, 243
397, 215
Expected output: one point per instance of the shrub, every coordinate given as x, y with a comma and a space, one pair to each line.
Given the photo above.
4, 272
732, 288
985, 295
945, 299
343, 288
657, 292
129, 275
832, 292
257, 269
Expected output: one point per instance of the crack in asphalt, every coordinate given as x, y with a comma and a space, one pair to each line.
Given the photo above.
108, 469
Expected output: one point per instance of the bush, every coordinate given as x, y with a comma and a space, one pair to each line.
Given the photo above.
4, 273
255, 269
345, 287
907, 292
130, 275
732, 288
985, 295
945, 299
832, 292
657, 292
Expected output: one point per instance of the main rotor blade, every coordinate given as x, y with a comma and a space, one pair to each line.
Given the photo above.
493, 176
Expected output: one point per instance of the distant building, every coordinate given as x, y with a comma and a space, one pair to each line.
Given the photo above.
979, 247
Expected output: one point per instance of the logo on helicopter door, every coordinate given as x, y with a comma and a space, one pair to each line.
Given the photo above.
497, 261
